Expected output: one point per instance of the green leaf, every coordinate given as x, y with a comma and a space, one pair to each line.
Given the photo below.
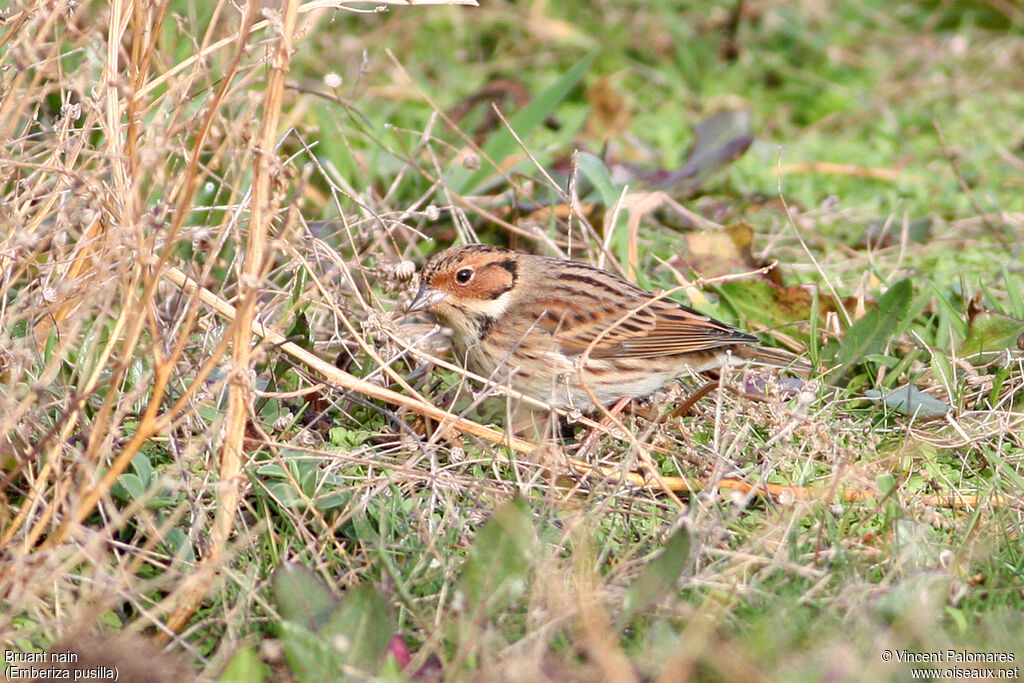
910, 400
309, 479
992, 332
322, 636
271, 471
886, 483
299, 333
594, 170
870, 334
245, 667
331, 501
943, 370
143, 468
301, 597
958, 617
364, 530
361, 628
177, 544
286, 495
949, 315
1013, 293
497, 570
658, 578
347, 438
501, 143
311, 657
128, 487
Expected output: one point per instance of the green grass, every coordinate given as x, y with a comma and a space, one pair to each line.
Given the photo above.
883, 181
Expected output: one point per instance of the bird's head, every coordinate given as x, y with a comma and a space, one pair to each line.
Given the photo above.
468, 285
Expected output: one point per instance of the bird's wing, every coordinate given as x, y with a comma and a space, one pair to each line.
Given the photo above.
638, 325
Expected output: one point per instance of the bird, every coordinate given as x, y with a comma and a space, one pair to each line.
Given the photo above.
570, 334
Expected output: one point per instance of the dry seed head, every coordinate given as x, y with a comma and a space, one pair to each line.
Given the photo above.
283, 421
404, 271
307, 438
71, 112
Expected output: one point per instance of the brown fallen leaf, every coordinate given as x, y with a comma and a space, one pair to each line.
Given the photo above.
713, 253
609, 116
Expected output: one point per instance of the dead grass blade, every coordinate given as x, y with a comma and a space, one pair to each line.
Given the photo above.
783, 493
240, 389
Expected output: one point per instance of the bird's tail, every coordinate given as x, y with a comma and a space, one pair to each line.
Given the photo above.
776, 358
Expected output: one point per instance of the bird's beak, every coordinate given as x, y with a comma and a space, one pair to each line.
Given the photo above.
426, 298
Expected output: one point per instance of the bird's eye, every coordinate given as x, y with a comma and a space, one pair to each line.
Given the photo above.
464, 276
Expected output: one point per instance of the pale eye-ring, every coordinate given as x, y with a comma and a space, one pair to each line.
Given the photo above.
464, 276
